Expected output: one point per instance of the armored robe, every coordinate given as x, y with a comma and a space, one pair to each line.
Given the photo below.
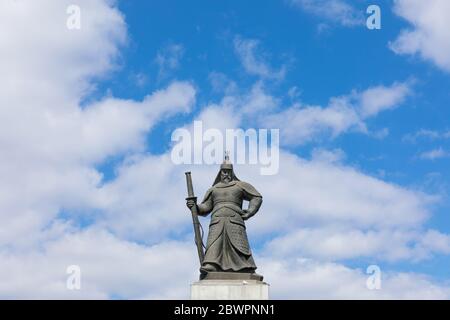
227, 247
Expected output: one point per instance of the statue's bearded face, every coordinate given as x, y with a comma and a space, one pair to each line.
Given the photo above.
225, 175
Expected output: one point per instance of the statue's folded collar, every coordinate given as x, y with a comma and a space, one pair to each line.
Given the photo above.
225, 185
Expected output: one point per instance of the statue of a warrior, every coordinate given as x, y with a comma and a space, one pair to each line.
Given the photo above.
227, 247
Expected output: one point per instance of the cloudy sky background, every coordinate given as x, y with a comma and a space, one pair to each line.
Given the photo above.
86, 118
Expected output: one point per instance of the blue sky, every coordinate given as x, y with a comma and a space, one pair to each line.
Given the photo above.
364, 137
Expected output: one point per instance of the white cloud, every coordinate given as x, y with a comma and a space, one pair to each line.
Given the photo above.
52, 168
294, 92
50, 144
257, 102
140, 79
139, 203
426, 133
429, 34
303, 123
377, 99
309, 279
327, 156
168, 58
340, 242
332, 193
436, 241
300, 124
253, 61
337, 11
221, 83
110, 268
113, 268
67, 61
434, 154
380, 134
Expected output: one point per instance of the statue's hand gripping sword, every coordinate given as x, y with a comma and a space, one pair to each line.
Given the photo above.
196, 222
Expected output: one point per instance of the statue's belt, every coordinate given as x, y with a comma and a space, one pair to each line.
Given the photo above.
221, 202
232, 206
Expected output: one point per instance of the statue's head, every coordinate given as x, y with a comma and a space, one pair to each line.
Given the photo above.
226, 173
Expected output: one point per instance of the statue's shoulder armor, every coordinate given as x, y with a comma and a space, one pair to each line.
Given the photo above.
208, 194
249, 188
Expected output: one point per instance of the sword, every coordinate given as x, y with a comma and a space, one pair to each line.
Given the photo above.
195, 221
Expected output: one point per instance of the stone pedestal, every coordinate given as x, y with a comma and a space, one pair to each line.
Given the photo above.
229, 290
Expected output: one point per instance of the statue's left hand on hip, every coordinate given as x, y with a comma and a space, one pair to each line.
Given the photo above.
245, 215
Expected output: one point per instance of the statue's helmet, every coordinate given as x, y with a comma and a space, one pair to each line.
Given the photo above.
226, 165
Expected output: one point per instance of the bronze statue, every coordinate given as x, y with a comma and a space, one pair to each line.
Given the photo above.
228, 254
